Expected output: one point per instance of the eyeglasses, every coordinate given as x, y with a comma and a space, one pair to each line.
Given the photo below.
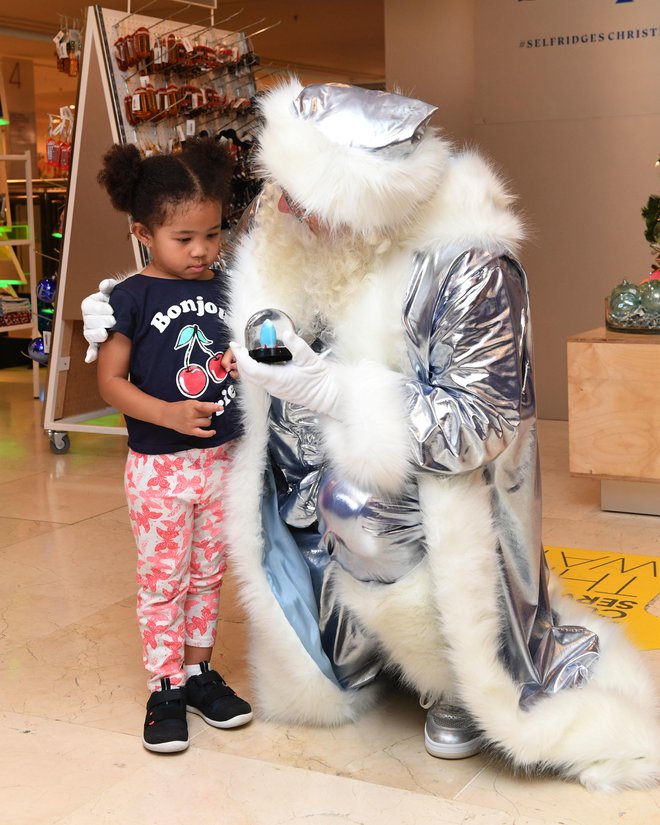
295, 208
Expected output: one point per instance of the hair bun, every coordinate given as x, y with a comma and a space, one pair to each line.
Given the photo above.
120, 174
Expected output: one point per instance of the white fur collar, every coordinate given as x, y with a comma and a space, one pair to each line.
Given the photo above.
471, 209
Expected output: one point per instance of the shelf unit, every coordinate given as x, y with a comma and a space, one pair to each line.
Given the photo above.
32, 261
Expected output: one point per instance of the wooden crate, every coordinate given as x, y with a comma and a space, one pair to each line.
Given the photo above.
614, 405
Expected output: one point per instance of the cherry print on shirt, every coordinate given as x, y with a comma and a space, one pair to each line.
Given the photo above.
193, 379
215, 369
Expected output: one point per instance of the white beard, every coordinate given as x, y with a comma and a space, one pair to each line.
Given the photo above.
315, 275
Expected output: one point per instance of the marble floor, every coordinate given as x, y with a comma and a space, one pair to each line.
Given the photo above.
72, 688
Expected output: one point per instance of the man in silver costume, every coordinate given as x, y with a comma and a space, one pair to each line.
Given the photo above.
384, 506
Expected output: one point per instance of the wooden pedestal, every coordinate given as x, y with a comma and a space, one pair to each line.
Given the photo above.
614, 416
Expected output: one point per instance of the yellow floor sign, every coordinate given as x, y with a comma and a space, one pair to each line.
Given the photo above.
622, 587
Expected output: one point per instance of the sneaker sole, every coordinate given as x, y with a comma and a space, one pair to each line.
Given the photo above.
234, 722
166, 747
461, 751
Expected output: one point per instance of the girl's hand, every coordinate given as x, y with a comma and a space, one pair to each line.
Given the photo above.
229, 363
190, 417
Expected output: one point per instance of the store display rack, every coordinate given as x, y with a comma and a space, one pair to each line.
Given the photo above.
29, 243
153, 83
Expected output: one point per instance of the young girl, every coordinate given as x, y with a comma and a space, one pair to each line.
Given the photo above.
182, 425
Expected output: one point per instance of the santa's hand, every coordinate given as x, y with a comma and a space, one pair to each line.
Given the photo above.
307, 380
98, 317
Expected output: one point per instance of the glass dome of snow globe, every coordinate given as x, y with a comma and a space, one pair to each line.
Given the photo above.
263, 336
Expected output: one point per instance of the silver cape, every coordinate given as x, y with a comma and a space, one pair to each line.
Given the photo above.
471, 408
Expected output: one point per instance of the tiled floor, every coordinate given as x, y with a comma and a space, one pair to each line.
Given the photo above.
72, 688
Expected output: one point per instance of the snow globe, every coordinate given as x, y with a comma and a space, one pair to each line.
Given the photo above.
263, 336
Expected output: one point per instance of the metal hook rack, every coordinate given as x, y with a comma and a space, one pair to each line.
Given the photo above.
134, 13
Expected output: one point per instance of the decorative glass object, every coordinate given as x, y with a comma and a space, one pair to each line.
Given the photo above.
651, 298
263, 336
37, 351
633, 308
46, 290
624, 300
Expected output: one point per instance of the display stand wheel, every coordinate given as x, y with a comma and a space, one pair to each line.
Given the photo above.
59, 442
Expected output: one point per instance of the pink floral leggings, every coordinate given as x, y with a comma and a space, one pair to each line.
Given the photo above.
176, 512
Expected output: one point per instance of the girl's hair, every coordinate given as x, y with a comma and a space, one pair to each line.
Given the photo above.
150, 189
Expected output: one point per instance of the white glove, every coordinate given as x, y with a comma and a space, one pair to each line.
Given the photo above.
98, 317
307, 380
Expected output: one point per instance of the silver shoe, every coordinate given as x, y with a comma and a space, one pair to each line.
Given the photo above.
449, 732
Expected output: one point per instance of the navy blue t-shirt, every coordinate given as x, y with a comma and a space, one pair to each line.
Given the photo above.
178, 337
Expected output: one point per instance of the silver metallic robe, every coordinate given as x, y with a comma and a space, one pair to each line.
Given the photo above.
471, 407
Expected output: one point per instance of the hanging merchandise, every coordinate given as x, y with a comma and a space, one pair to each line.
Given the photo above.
37, 351
58, 144
68, 43
52, 148
178, 81
46, 290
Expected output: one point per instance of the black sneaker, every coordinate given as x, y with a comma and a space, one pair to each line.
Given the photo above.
209, 696
165, 726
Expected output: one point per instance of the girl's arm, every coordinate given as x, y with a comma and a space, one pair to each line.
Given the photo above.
187, 417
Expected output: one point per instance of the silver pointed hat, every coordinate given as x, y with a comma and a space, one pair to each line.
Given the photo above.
355, 157
364, 118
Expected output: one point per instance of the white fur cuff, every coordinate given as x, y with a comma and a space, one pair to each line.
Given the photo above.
370, 444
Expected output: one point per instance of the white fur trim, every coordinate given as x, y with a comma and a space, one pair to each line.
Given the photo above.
370, 442
276, 654
605, 733
248, 289
403, 616
471, 209
365, 190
